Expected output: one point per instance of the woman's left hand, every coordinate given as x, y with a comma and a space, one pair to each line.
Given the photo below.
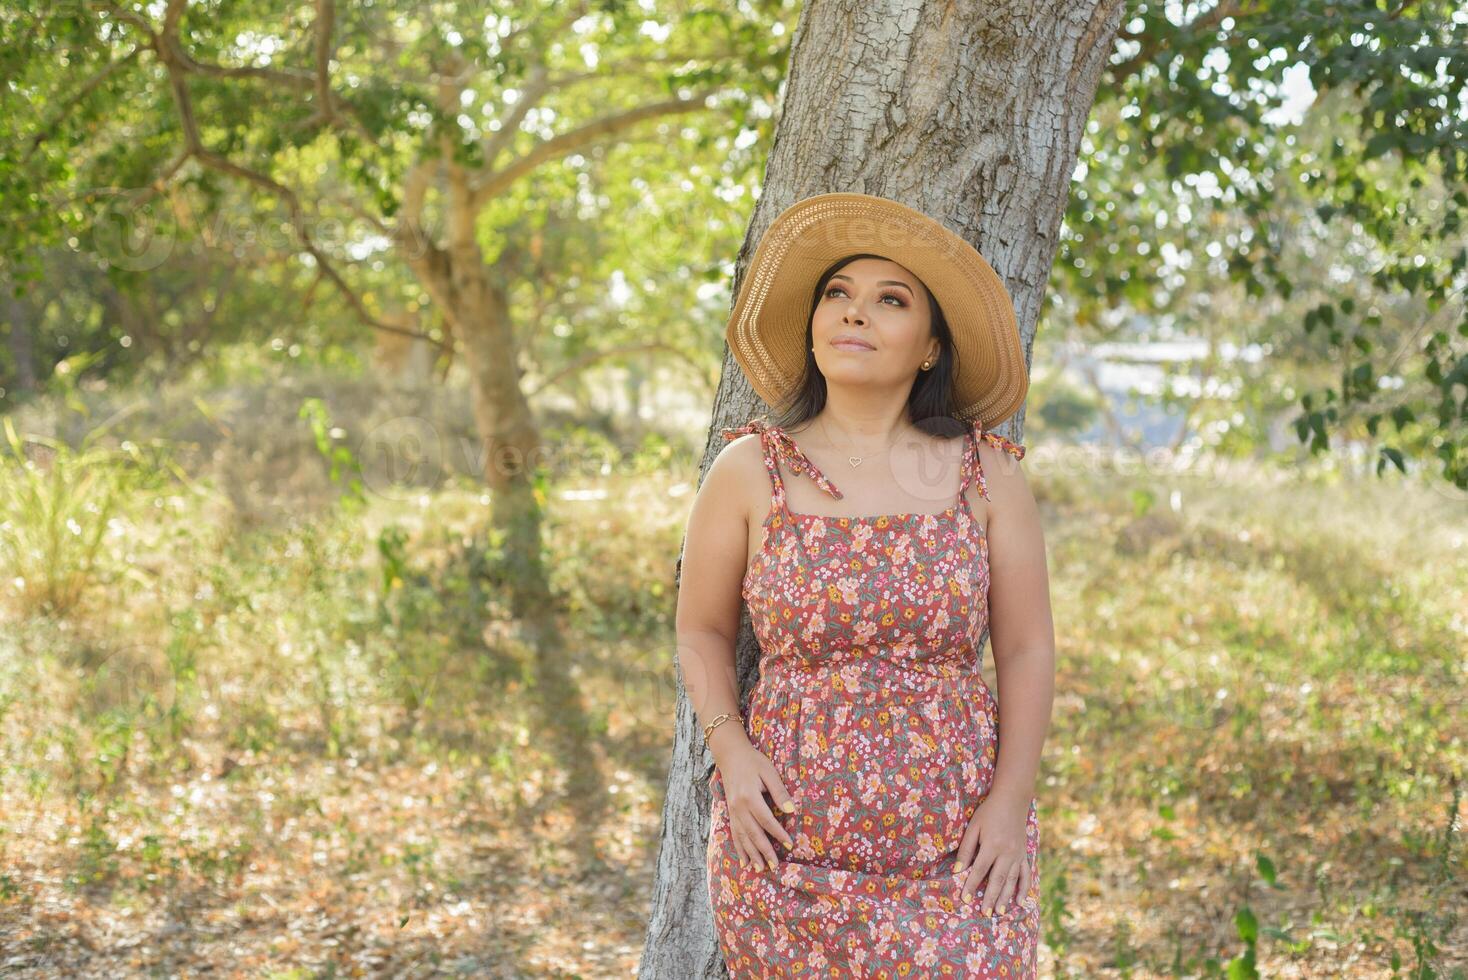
997, 830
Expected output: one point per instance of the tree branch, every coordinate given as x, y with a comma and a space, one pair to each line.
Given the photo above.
530, 94
540, 83
169, 48
1123, 70
325, 22
87, 88
196, 150
297, 213
497, 181
366, 215
172, 14
408, 232
128, 17
593, 357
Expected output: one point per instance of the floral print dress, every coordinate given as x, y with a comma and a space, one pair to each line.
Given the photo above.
872, 707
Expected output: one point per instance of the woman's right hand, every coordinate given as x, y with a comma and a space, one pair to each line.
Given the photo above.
747, 775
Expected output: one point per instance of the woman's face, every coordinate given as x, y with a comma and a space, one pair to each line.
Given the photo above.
872, 325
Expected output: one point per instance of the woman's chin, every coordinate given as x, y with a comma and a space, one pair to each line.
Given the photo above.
853, 373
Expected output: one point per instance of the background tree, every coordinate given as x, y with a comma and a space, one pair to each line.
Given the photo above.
474, 151
1198, 169
422, 131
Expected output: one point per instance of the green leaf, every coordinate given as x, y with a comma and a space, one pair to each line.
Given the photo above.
1246, 924
1379, 144
1266, 869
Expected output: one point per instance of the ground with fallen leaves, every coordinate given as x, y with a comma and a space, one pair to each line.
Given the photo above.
302, 748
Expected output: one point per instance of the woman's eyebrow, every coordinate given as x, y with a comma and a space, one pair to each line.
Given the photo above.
884, 282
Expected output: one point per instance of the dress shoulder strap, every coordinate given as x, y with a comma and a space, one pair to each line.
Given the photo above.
778, 445
973, 468
767, 448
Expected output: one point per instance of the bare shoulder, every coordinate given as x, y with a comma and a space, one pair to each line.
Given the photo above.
737, 478
1011, 503
1004, 473
1001, 462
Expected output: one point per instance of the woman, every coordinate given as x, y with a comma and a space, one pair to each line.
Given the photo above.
864, 821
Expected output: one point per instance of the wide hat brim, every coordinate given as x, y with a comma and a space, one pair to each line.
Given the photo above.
766, 331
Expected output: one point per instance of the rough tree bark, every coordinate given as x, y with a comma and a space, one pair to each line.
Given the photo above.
972, 112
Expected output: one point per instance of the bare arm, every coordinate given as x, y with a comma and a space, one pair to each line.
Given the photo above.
1021, 629
715, 551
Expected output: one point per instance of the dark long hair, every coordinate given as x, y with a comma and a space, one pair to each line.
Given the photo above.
930, 404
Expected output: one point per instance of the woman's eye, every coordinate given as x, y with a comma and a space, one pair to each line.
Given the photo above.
896, 296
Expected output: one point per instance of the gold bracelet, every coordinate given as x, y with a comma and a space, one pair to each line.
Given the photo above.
709, 728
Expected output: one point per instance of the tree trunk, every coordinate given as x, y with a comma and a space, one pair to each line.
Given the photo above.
971, 112
474, 300
22, 346
477, 311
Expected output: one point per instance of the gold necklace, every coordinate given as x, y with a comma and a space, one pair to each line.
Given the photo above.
856, 461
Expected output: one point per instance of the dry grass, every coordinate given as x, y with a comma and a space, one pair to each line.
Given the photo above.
301, 748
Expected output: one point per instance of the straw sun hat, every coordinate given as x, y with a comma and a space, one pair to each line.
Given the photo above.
766, 331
